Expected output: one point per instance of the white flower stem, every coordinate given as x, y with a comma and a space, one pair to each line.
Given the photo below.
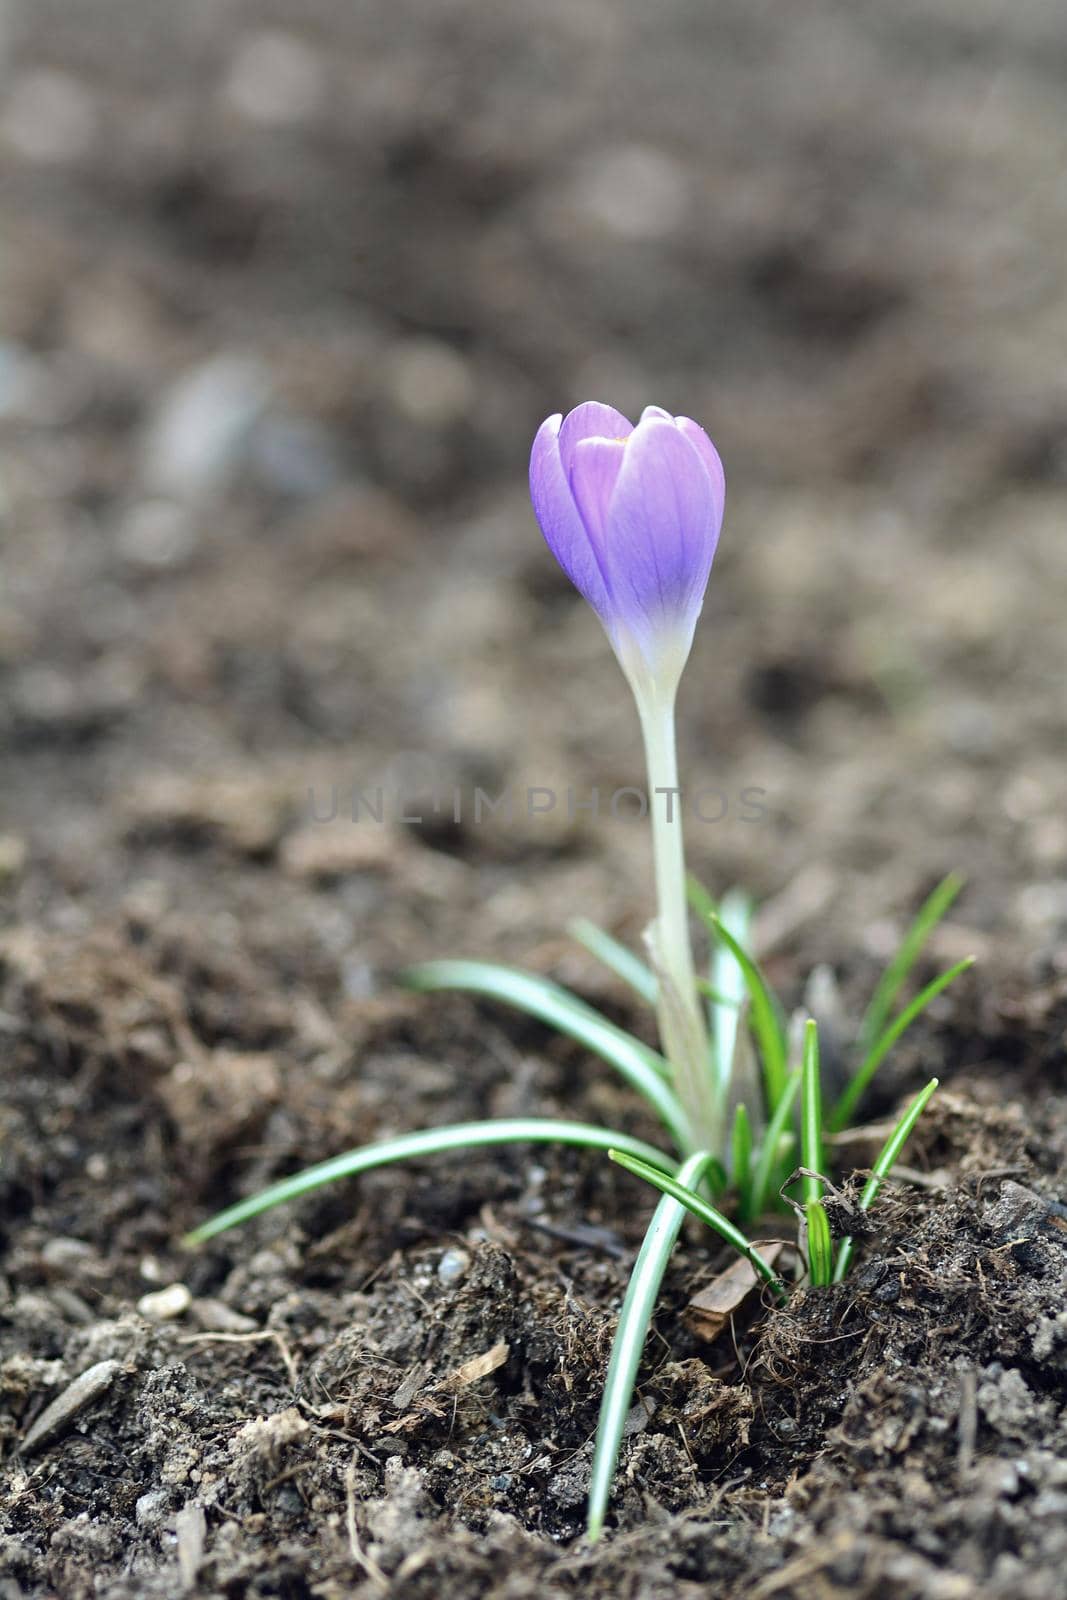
681, 1021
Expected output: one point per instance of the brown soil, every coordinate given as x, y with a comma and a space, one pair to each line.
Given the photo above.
285, 292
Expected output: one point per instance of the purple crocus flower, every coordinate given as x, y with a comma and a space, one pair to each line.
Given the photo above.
632, 515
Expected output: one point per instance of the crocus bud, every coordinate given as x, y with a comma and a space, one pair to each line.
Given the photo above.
632, 515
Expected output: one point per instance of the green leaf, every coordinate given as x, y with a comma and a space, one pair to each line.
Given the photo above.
716, 996
728, 978
811, 1114
741, 1153
637, 1309
642, 1067
715, 1179
699, 899
427, 1142
820, 1246
911, 948
704, 1212
857, 1086
773, 1146
884, 1165
616, 957
763, 1017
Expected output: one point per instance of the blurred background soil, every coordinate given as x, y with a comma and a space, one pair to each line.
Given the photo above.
284, 293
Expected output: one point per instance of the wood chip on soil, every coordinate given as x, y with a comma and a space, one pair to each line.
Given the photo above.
709, 1311
58, 1416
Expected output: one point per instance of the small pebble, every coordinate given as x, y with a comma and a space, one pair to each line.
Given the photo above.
636, 191
452, 1266
214, 1316
275, 79
66, 1255
163, 1305
156, 534
202, 425
22, 377
13, 853
151, 1508
1042, 905
428, 381
72, 1306
49, 117
294, 456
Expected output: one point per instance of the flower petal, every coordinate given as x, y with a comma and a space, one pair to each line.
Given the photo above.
595, 465
662, 529
590, 420
655, 411
561, 522
710, 457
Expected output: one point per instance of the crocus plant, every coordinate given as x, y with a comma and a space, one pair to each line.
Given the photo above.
632, 515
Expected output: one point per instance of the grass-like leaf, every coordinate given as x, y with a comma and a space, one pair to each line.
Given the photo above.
763, 1017
845, 1108
728, 978
741, 1157
699, 899
811, 1114
773, 1150
884, 1165
659, 1179
716, 996
429, 1142
820, 1245
643, 1068
630, 1334
617, 957
911, 947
